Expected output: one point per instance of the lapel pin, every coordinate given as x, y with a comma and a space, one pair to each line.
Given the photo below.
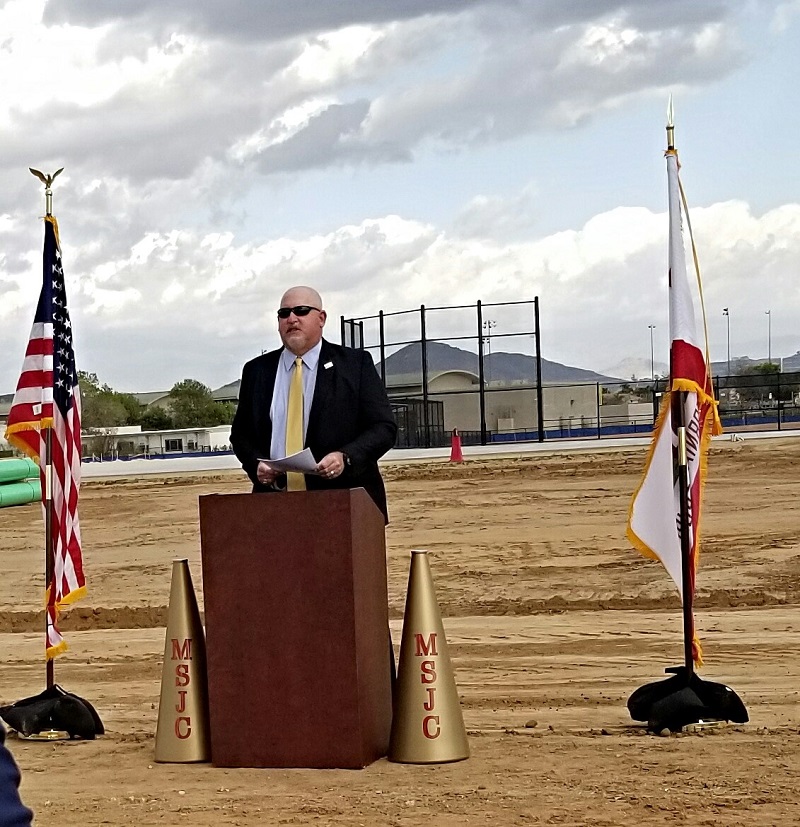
328, 365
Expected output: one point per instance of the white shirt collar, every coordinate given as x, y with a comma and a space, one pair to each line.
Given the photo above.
310, 358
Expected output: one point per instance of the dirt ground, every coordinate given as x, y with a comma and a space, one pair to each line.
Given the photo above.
552, 621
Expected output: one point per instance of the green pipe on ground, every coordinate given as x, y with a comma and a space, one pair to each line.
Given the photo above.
20, 493
13, 470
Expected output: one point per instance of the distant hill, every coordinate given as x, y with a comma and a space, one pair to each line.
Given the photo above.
635, 368
499, 366
791, 364
510, 367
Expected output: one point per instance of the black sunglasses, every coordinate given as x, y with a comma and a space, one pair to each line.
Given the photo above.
300, 310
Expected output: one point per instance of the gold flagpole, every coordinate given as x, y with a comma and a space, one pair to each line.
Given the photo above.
47, 493
679, 413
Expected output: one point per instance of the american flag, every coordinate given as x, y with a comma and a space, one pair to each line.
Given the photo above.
48, 397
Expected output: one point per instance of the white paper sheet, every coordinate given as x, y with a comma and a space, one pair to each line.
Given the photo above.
303, 462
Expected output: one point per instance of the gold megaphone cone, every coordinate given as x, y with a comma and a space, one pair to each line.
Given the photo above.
427, 726
182, 735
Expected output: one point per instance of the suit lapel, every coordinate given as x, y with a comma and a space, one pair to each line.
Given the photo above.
323, 389
264, 403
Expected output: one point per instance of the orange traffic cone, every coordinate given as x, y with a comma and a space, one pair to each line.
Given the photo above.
427, 725
455, 447
182, 735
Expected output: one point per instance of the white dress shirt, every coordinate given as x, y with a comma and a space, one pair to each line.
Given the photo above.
280, 396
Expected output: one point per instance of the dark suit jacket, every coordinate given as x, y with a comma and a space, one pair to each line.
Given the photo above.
350, 412
13, 813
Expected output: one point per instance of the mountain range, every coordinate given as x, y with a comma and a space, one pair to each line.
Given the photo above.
639, 369
497, 367
787, 364
516, 367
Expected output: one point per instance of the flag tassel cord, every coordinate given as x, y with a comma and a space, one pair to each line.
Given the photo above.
692, 650
716, 424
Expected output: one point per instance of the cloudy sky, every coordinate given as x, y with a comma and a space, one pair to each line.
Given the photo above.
394, 153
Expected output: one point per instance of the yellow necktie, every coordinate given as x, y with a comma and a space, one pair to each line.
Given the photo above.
294, 425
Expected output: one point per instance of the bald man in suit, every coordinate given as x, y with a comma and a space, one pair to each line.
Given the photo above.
347, 419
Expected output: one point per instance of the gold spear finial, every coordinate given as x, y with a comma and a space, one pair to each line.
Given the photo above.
670, 125
47, 180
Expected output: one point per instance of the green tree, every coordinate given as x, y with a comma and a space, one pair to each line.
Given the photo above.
191, 405
132, 406
228, 410
156, 419
757, 383
194, 407
90, 385
100, 407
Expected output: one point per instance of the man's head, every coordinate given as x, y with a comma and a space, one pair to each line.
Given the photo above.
301, 330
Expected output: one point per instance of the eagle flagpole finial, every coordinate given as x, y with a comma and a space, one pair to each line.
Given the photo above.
47, 180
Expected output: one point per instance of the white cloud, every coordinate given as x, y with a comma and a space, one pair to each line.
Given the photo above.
282, 128
332, 56
59, 65
604, 276
599, 286
785, 14
611, 42
172, 292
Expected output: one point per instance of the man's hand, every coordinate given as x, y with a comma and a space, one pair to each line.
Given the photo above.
265, 474
331, 465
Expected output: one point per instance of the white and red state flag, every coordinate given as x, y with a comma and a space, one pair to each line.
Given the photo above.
654, 521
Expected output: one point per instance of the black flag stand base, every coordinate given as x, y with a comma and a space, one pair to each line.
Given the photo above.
685, 699
52, 715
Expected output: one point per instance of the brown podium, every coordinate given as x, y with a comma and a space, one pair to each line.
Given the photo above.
297, 629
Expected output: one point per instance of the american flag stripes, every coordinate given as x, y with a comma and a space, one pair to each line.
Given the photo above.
48, 399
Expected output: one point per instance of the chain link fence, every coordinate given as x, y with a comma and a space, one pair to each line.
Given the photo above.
442, 371
477, 369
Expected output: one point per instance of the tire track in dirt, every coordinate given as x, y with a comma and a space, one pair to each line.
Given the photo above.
81, 619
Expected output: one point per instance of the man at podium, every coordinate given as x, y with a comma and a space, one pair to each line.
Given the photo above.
313, 394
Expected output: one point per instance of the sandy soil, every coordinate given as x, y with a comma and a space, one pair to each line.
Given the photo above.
552, 620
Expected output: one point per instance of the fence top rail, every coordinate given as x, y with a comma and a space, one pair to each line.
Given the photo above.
474, 337
381, 314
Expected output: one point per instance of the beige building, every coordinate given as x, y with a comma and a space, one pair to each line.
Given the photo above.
510, 407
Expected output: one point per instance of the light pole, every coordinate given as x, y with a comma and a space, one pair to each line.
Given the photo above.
769, 335
652, 327
488, 326
728, 317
